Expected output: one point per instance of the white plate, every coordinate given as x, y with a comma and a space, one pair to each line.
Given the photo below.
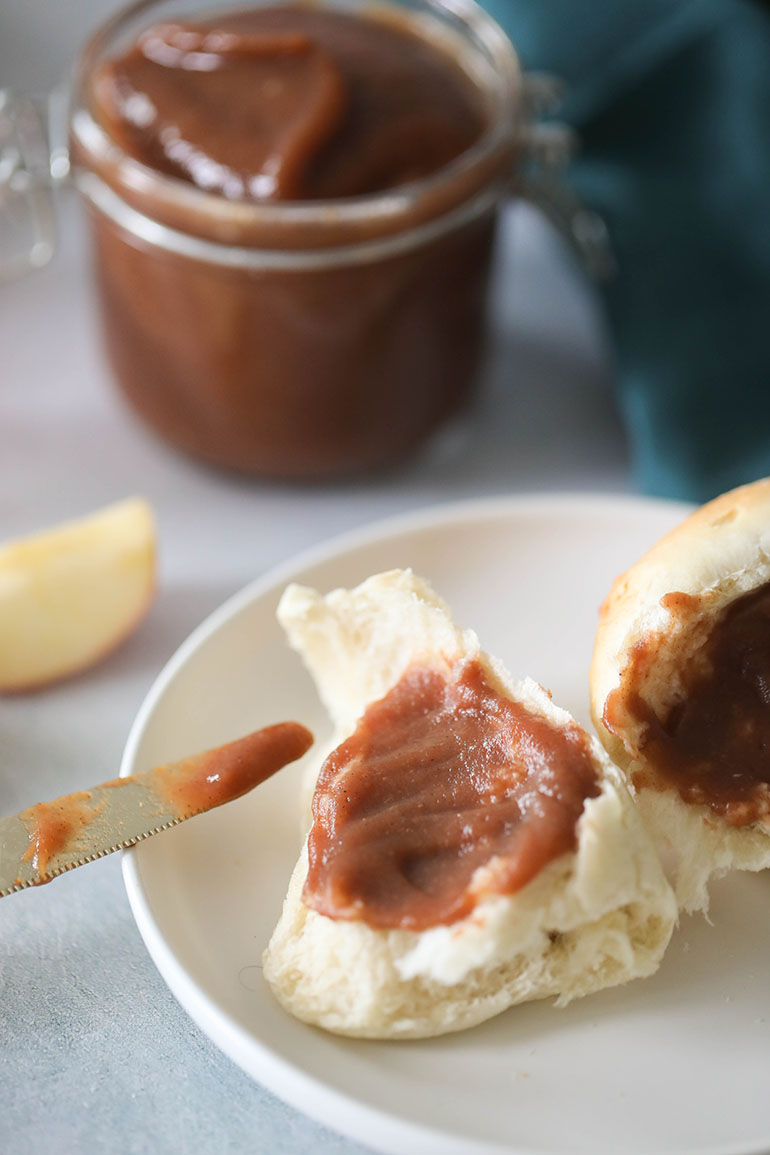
677, 1063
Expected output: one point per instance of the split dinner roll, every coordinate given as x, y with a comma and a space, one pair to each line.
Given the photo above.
404, 953
680, 689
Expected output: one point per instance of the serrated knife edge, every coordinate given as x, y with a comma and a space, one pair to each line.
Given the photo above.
124, 811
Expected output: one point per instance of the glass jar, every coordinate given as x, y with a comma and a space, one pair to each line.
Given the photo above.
300, 340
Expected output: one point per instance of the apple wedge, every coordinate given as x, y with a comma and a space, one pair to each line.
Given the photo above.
69, 595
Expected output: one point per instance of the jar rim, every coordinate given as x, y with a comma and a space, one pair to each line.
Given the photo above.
385, 206
145, 232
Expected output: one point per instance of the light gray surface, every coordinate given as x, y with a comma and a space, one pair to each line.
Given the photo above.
97, 1055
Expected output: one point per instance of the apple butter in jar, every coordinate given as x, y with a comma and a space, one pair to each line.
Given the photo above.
293, 210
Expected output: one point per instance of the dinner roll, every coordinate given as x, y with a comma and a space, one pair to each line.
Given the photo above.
594, 915
679, 690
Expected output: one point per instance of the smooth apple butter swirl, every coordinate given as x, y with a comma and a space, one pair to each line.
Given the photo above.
288, 103
442, 776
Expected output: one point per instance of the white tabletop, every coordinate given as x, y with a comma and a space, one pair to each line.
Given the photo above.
97, 1055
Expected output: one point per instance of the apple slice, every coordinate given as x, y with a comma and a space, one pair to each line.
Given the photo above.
71, 594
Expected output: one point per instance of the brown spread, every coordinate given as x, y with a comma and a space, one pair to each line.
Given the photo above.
713, 746
442, 777
291, 103
204, 781
54, 825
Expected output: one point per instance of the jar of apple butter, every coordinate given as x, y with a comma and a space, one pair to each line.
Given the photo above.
293, 210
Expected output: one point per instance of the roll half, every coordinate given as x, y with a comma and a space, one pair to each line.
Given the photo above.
471, 846
680, 688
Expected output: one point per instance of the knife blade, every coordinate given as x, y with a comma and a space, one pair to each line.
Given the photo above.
47, 839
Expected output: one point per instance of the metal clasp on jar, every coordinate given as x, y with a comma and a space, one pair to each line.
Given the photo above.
548, 145
34, 159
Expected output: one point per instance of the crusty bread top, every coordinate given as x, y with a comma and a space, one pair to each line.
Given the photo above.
718, 553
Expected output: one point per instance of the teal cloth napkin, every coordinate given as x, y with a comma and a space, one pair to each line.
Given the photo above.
671, 101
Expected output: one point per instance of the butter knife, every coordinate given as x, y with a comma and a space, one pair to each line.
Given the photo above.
47, 839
